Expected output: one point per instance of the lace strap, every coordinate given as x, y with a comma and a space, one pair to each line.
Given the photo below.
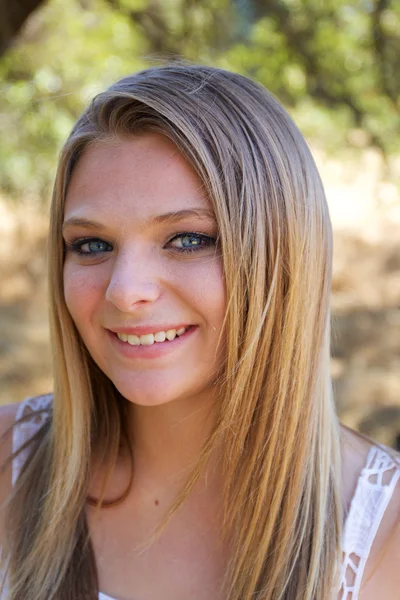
32, 420
374, 490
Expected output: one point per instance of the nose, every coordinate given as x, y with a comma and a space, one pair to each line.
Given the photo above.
133, 283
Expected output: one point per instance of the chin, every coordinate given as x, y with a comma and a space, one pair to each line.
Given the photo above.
149, 395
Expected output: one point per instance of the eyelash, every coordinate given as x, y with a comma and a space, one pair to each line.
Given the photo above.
76, 245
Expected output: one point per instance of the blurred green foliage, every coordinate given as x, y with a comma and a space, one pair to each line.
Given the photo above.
333, 63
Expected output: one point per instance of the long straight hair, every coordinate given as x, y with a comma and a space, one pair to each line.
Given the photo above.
276, 428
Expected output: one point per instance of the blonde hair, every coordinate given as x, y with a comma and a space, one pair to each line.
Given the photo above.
277, 428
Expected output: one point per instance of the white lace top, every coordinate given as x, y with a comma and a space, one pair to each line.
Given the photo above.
374, 489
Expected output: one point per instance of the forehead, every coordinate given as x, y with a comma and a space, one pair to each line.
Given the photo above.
140, 176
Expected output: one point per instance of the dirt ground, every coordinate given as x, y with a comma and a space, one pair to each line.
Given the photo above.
365, 298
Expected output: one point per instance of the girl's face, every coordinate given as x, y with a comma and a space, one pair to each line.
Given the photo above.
143, 274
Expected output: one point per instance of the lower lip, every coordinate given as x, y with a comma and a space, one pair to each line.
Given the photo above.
155, 350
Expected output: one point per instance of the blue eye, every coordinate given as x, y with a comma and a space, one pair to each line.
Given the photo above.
89, 247
190, 241
94, 246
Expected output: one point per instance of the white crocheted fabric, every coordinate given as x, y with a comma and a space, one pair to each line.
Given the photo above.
374, 489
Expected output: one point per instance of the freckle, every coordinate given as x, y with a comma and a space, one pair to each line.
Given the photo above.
156, 502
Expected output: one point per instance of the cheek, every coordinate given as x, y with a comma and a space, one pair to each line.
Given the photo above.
212, 290
208, 287
82, 293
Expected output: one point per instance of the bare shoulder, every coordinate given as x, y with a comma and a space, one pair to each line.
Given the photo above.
8, 414
381, 577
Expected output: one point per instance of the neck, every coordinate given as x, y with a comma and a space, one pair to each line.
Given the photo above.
167, 439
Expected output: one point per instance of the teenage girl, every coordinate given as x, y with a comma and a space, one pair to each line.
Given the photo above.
191, 448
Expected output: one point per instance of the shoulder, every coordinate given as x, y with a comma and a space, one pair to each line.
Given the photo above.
357, 452
381, 577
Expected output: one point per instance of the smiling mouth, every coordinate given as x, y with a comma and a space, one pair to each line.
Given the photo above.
149, 339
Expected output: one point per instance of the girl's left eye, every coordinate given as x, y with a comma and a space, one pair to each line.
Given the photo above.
190, 241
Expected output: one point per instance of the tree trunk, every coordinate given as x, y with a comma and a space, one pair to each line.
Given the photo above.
13, 14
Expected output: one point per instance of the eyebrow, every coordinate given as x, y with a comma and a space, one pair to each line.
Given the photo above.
170, 217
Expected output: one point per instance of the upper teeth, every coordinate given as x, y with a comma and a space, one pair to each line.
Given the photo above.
149, 338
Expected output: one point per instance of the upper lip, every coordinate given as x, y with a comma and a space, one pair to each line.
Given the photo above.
145, 329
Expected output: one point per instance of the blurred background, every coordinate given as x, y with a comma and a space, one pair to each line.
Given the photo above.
333, 64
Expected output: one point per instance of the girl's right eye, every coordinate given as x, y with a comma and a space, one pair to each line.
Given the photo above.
88, 246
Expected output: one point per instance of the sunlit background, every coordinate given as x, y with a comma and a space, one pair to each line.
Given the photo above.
333, 64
